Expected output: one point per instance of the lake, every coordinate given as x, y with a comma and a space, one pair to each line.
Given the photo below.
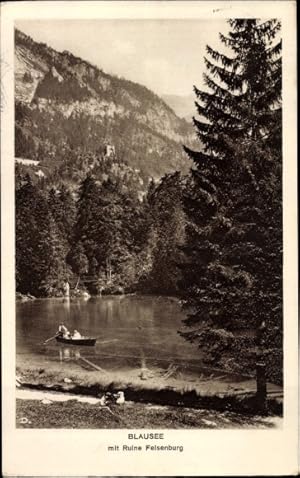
132, 331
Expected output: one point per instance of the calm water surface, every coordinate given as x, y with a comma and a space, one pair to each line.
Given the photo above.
132, 330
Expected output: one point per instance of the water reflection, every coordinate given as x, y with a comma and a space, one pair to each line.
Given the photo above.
143, 359
131, 330
66, 303
67, 353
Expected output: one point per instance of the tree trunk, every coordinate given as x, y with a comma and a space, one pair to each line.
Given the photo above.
261, 386
76, 286
108, 271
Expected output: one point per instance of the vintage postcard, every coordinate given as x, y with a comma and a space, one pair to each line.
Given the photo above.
149, 279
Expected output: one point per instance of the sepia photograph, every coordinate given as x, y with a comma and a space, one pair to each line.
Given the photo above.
148, 223
150, 269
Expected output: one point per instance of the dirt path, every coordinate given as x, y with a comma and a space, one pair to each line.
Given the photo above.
37, 409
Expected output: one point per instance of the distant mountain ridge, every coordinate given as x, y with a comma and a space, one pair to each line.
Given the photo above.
67, 108
183, 106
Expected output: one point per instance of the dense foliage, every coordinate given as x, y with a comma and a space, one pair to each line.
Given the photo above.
40, 244
233, 267
166, 234
101, 237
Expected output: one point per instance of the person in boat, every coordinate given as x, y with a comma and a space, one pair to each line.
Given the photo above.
63, 331
76, 335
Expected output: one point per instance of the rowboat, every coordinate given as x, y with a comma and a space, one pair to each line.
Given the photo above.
82, 341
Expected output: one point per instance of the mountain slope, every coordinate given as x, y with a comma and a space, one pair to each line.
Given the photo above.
67, 108
183, 106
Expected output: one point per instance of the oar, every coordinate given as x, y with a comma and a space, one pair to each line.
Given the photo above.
51, 338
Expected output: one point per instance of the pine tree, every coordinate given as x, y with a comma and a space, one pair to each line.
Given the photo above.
40, 256
242, 102
166, 233
106, 228
86, 222
232, 272
62, 207
116, 238
57, 271
78, 261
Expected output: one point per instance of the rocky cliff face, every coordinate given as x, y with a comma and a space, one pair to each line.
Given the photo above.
66, 107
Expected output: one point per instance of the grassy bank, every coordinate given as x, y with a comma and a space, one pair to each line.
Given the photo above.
73, 414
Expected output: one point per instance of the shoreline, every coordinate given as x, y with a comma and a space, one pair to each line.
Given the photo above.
20, 297
144, 386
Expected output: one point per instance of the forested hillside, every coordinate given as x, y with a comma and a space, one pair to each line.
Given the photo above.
87, 146
68, 111
182, 105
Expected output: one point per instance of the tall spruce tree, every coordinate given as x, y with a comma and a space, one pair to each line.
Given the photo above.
232, 272
63, 209
106, 233
40, 255
167, 234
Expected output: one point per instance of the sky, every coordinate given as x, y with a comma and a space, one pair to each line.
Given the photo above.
164, 55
